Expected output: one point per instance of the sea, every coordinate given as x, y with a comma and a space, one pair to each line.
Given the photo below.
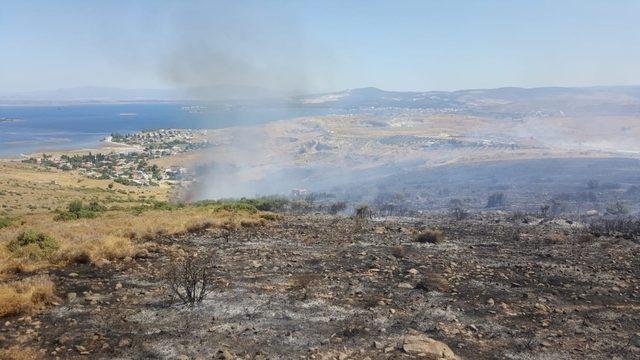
36, 129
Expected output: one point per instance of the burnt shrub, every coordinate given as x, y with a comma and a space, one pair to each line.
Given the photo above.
496, 200
337, 207
593, 184
430, 236
617, 208
363, 212
625, 227
457, 210
190, 279
199, 227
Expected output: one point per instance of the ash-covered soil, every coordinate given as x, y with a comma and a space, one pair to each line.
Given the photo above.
332, 287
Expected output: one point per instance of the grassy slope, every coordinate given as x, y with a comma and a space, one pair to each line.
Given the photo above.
29, 196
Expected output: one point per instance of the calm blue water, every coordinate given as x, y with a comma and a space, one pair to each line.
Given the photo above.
46, 128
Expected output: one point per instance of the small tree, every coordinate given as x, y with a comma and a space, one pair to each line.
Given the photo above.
457, 210
363, 212
190, 279
496, 200
337, 207
617, 208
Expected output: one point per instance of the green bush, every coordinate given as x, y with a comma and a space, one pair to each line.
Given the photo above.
268, 203
77, 210
34, 244
265, 203
239, 206
4, 222
75, 206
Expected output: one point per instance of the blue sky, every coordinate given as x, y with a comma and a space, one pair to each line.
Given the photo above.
309, 46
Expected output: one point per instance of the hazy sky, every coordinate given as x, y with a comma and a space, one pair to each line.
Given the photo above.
308, 46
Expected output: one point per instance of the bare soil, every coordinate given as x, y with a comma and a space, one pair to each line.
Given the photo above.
332, 287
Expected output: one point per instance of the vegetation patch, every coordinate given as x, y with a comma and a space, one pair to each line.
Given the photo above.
4, 222
430, 236
33, 244
78, 210
26, 296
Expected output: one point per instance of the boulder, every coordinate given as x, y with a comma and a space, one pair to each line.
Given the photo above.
421, 345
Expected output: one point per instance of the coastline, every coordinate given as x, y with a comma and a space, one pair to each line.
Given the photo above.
106, 146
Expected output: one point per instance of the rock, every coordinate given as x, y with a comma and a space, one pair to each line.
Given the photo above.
427, 348
541, 307
380, 230
378, 345
124, 343
72, 274
100, 263
63, 339
405, 285
143, 254
71, 296
255, 263
592, 212
118, 286
490, 302
225, 354
413, 271
182, 357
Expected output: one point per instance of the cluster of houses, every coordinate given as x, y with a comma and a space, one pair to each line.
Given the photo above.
133, 167
161, 138
127, 169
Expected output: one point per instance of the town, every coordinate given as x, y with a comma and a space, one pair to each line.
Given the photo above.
132, 167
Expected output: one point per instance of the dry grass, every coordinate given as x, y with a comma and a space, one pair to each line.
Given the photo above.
29, 189
19, 353
25, 296
113, 235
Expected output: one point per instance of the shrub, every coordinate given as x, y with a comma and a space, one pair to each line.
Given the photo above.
75, 206
337, 207
77, 210
624, 227
25, 296
617, 208
33, 244
363, 212
190, 279
269, 203
456, 210
496, 200
300, 207
199, 227
4, 222
270, 216
430, 236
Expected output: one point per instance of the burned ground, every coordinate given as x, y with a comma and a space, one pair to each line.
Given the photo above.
333, 287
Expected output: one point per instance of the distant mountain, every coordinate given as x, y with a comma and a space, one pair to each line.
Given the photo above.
608, 99
508, 101
111, 94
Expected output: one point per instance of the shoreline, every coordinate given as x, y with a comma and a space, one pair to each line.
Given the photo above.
105, 146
